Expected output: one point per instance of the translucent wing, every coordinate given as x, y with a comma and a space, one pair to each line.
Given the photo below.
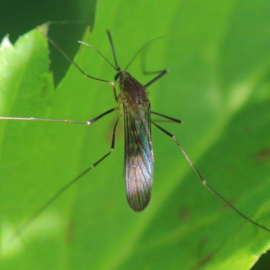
138, 157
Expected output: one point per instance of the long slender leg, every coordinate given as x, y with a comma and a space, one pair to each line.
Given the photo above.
204, 183
143, 67
88, 123
167, 117
112, 84
146, 72
161, 74
68, 58
64, 188
76, 65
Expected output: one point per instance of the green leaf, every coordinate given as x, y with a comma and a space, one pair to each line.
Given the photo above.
219, 85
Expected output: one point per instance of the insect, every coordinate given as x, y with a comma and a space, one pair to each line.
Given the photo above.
134, 105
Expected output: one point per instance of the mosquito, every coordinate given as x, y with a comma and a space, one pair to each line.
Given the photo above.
135, 107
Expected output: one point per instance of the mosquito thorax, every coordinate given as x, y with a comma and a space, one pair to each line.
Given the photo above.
122, 75
132, 93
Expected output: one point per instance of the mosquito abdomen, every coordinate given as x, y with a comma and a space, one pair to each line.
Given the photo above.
138, 197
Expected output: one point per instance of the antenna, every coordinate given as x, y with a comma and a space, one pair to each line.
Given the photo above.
140, 50
95, 49
113, 51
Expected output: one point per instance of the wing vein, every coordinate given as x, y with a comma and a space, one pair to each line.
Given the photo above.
138, 157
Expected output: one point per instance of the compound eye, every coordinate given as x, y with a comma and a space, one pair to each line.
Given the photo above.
116, 77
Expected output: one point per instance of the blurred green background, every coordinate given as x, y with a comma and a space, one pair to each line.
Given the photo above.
218, 54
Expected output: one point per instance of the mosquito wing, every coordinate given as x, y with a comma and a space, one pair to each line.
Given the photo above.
138, 157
